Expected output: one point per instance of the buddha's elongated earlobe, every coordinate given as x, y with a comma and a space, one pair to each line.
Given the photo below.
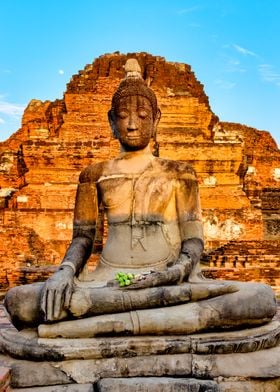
157, 118
155, 150
111, 119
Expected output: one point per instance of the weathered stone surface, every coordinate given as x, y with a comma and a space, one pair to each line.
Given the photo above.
93, 370
164, 384
28, 373
156, 384
243, 385
27, 345
260, 365
58, 388
238, 168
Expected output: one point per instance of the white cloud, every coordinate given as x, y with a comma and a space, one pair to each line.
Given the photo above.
225, 84
10, 109
189, 10
268, 74
234, 65
61, 72
245, 52
234, 62
2, 121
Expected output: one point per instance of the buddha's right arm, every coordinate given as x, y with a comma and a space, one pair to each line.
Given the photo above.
57, 291
84, 227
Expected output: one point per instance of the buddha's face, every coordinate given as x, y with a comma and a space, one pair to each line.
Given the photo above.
132, 122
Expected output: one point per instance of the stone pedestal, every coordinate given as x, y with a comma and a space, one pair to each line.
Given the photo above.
247, 360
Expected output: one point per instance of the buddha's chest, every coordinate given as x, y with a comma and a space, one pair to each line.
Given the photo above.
139, 197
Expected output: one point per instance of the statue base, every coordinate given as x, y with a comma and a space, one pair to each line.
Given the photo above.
251, 372
246, 360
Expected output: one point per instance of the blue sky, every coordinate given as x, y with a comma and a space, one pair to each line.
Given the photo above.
233, 46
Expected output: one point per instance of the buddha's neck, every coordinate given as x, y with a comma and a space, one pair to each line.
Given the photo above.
134, 161
145, 150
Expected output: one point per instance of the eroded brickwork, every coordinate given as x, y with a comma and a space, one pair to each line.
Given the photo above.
238, 167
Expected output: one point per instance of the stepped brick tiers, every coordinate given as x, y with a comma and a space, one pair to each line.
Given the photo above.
161, 324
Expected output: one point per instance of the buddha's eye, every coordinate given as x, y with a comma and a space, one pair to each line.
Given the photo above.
143, 113
122, 114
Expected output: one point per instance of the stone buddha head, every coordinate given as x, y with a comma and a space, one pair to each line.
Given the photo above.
134, 113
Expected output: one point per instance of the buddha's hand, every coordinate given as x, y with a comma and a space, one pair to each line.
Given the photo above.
174, 274
183, 267
56, 294
148, 279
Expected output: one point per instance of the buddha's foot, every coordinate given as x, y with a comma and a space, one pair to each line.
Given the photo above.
181, 319
120, 323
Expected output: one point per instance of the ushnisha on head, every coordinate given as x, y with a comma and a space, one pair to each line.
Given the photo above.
134, 84
134, 113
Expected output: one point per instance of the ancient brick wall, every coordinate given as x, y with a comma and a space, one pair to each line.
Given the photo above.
238, 167
245, 261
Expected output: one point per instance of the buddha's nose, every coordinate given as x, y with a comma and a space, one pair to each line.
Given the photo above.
132, 124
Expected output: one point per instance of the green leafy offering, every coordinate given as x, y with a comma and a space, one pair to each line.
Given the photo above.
124, 279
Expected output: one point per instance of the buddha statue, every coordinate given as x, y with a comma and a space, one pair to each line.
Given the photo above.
154, 233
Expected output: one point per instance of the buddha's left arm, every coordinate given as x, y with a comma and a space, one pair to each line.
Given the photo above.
190, 221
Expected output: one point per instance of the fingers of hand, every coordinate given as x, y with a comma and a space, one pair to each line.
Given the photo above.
138, 285
58, 303
148, 281
54, 300
68, 295
47, 303
112, 283
43, 303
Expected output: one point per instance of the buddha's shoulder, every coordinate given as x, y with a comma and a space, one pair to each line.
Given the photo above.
176, 169
166, 167
92, 173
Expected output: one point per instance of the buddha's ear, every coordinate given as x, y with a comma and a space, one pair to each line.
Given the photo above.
156, 120
112, 122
